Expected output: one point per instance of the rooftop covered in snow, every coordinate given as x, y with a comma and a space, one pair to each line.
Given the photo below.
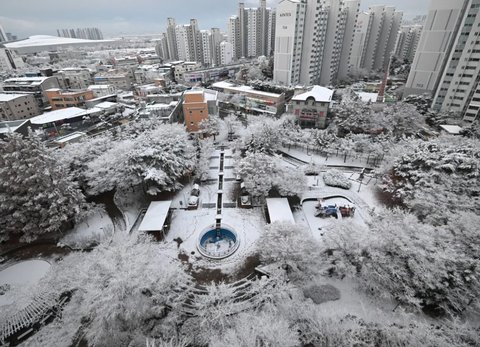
320, 94
279, 210
9, 97
33, 81
39, 43
227, 86
63, 114
451, 129
155, 216
366, 97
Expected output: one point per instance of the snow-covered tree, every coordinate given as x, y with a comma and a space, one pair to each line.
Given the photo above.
161, 157
255, 73
121, 291
36, 196
258, 328
416, 264
210, 126
262, 173
437, 176
205, 148
150, 154
263, 134
291, 246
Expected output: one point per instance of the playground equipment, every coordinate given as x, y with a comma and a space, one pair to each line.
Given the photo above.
322, 210
347, 211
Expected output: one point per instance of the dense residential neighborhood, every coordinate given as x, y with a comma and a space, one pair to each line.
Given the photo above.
307, 174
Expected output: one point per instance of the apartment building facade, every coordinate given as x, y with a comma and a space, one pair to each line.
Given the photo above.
447, 61
17, 106
312, 40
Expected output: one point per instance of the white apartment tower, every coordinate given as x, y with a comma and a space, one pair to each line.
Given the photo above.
407, 42
288, 42
359, 39
351, 12
226, 53
206, 46
171, 35
216, 39
189, 42
447, 61
161, 48
256, 29
233, 34
382, 31
311, 38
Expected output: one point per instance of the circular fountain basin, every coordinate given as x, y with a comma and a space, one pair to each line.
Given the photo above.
218, 243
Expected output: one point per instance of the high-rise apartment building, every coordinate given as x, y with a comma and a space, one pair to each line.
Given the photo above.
189, 42
350, 13
226, 53
233, 34
375, 38
216, 38
407, 42
161, 48
311, 38
207, 47
171, 37
256, 30
447, 61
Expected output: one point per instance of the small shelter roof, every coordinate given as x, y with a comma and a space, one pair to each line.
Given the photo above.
155, 216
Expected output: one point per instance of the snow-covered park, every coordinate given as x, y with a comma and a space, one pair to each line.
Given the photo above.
339, 233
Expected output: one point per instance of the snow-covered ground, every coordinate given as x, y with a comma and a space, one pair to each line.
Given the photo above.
321, 226
18, 280
188, 225
94, 229
340, 160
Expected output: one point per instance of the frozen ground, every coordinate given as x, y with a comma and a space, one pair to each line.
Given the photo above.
91, 231
321, 226
18, 281
188, 225
336, 160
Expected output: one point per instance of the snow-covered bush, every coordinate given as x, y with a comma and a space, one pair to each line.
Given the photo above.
335, 178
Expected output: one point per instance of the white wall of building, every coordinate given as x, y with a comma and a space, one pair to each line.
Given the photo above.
288, 42
226, 53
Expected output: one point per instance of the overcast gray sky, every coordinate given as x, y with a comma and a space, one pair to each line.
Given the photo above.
123, 17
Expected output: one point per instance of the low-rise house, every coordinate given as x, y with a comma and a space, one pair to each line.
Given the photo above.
251, 100
311, 107
58, 98
100, 90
